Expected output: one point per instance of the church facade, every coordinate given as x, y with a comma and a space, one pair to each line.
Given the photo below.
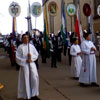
56, 20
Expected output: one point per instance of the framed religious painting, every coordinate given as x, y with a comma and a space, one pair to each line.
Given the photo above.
52, 8
96, 5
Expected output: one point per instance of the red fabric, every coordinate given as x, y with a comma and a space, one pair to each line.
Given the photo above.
13, 54
77, 29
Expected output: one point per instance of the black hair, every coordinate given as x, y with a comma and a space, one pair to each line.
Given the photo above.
24, 35
59, 34
27, 32
85, 35
74, 39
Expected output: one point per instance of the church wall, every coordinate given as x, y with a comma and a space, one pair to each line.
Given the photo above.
57, 18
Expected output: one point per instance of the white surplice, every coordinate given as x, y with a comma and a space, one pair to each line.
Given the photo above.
76, 60
88, 69
28, 81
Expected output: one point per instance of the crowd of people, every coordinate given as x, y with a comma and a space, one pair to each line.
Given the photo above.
28, 48
56, 47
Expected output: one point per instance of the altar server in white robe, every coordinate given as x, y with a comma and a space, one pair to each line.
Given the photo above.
88, 69
76, 63
28, 81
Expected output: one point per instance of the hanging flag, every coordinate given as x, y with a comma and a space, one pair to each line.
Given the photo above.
63, 25
46, 31
14, 10
91, 28
78, 27
44, 2
13, 40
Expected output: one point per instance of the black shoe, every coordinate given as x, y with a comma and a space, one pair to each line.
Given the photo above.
35, 98
84, 85
76, 78
94, 84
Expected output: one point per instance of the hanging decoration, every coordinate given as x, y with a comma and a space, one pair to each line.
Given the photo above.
71, 9
14, 9
36, 9
52, 8
87, 9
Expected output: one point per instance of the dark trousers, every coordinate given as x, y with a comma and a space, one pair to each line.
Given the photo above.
69, 56
59, 55
43, 55
53, 59
65, 48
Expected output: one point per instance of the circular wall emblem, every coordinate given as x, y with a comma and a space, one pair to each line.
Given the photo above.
14, 9
36, 9
87, 9
98, 10
52, 8
71, 9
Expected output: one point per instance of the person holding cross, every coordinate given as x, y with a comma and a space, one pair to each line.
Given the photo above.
28, 81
